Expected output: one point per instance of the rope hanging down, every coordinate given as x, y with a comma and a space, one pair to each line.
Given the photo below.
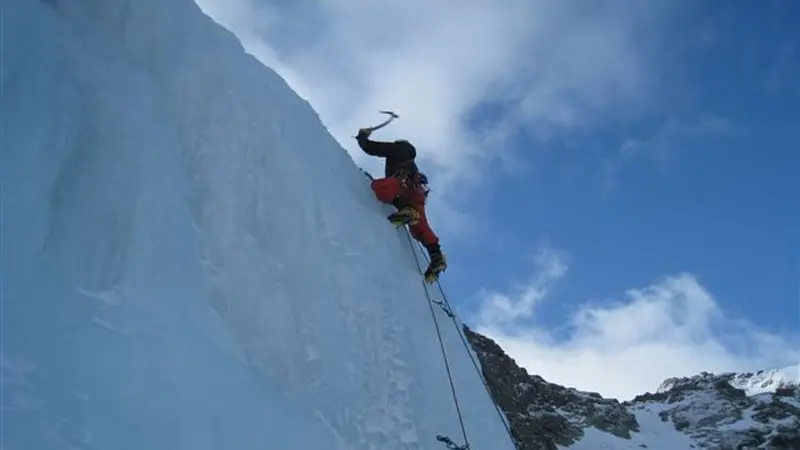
445, 306
450, 444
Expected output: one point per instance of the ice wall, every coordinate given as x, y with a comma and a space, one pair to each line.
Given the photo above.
189, 259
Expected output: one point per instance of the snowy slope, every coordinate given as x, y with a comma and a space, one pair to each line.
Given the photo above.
654, 434
190, 261
732, 410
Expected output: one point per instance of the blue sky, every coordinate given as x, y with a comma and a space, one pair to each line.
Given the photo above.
723, 205
613, 181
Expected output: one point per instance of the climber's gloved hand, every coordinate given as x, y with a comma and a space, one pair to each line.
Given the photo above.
364, 133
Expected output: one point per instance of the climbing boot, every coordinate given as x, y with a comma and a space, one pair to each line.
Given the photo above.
406, 215
437, 265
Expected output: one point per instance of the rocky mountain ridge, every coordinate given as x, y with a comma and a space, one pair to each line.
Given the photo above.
732, 411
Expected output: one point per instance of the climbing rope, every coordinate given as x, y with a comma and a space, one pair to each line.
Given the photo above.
450, 444
445, 306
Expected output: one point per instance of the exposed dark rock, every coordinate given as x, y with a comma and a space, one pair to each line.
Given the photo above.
712, 409
785, 391
544, 414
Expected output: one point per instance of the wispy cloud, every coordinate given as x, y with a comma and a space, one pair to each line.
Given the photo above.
665, 143
673, 133
545, 67
504, 310
625, 347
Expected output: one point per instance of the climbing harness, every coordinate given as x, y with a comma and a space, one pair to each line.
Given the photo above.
444, 304
413, 182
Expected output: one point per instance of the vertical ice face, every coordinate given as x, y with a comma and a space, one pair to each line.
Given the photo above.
189, 259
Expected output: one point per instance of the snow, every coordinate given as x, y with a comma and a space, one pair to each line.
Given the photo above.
655, 434
191, 261
767, 381
790, 400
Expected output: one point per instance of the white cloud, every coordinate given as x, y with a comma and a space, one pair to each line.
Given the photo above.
552, 65
627, 347
499, 309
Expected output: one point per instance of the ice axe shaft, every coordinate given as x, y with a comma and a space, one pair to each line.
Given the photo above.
391, 115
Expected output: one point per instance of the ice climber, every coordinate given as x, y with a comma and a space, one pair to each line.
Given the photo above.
404, 186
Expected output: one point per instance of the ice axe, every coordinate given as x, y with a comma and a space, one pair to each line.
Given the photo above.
391, 115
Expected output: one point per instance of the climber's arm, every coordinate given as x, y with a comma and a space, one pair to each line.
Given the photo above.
394, 150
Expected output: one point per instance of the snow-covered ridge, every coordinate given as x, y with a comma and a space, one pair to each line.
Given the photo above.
760, 382
190, 260
768, 381
718, 415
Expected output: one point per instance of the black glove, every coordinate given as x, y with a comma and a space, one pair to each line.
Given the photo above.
364, 133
